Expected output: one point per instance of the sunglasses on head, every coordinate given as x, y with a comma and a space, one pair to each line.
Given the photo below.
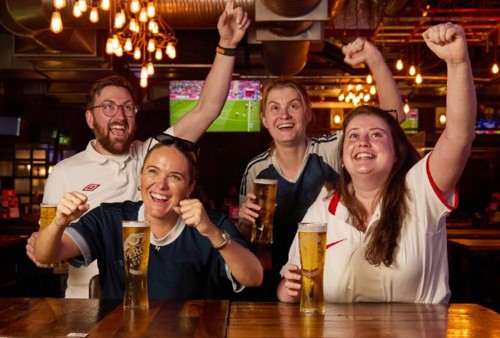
181, 144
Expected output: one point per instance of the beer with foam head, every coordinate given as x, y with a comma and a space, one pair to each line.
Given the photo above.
312, 246
265, 192
136, 240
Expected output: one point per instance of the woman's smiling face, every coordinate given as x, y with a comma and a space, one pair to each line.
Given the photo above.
368, 147
286, 115
165, 180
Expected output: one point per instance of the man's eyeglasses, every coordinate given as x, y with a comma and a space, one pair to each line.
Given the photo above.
110, 109
181, 144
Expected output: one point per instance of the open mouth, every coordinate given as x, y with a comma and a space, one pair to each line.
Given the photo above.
158, 198
285, 126
118, 130
363, 155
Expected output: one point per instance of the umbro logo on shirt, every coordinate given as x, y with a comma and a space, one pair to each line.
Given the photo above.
91, 187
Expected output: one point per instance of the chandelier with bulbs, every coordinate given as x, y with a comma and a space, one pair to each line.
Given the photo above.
358, 93
135, 28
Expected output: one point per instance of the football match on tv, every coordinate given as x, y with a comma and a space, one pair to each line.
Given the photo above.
239, 114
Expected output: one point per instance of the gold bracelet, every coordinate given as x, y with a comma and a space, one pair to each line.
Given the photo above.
226, 240
225, 51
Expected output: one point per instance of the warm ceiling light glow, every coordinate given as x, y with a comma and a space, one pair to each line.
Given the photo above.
56, 25
406, 108
59, 4
105, 5
369, 79
158, 54
337, 119
135, 6
82, 4
399, 64
442, 119
144, 72
151, 69
494, 69
94, 15
412, 70
135, 28
341, 97
418, 79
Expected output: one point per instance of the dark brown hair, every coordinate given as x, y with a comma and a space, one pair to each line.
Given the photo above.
189, 155
394, 194
99, 85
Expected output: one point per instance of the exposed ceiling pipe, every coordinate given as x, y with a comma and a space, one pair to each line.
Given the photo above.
447, 11
286, 54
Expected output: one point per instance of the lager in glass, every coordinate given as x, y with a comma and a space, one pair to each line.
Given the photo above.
47, 214
136, 239
312, 246
262, 229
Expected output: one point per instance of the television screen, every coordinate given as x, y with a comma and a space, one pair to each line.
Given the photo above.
488, 121
239, 114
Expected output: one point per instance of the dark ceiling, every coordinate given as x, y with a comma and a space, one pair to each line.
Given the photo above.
282, 41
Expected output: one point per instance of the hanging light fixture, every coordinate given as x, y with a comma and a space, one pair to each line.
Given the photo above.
399, 64
418, 79
135, 28
406, 107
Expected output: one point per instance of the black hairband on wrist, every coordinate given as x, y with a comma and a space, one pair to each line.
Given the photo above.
226, 51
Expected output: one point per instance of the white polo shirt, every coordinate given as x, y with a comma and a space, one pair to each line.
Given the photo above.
419, 272
103, 179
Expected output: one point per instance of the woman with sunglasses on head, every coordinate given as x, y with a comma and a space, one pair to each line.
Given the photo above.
108, 169
301, 164
189, 245
386, 234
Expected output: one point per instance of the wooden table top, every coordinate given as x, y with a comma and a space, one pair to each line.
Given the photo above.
42, 317
363, 320
476, 244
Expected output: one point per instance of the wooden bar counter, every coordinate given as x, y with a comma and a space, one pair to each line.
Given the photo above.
44, 317
363, 320
49, 317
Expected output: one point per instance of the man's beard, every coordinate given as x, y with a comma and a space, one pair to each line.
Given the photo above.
102, 136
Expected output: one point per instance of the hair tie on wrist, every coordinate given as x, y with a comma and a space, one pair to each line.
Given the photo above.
226, 51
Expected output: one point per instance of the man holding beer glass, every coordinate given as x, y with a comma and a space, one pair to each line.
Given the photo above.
187, 245
386, 236
108, 169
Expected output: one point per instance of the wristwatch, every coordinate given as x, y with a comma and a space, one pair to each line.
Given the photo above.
226, 240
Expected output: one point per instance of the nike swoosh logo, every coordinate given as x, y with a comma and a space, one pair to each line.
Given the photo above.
337, 242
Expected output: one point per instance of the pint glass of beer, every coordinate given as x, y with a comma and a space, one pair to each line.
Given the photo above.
136, 258
47, 214
312, 246
262, 229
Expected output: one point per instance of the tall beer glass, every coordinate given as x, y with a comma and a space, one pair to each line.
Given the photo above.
262, 229
312, 245
47, 214
136, 239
